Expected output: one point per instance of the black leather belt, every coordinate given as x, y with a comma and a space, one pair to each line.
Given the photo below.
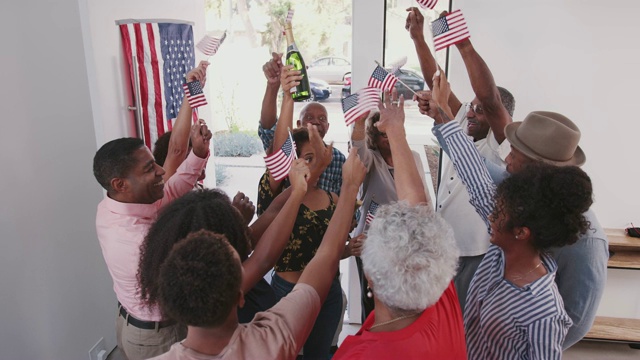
147, 325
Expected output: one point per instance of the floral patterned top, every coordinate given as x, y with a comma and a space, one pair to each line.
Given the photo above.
308, 231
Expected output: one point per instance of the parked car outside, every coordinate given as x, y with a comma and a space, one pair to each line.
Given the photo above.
320, 89
330, 69
412, 79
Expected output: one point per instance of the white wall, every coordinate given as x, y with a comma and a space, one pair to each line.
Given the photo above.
56, 299
108, 79
579, 58
61, 70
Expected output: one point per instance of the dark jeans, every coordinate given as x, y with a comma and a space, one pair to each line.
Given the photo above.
319, 342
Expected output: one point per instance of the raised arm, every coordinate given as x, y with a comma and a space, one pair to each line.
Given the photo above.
179, 140
322, 268
268, 112
415, 26
409, 184
275, 238
358, 136
485, 89
289, 79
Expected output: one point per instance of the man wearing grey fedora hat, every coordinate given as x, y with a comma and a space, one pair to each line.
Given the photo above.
483, 119
550, 138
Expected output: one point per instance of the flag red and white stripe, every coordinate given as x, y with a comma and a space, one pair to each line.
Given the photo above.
279, 162
371, 213
209, 44
427, 4
449, 30
160, 79
358, 104
382, 79
289, 16
194, 93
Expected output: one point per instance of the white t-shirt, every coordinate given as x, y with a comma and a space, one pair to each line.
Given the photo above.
453, 200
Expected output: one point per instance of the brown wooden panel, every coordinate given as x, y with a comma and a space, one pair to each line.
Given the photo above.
618, 240
615, 329
624, 260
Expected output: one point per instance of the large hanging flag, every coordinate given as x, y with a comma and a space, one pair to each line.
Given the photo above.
164, 54
210, 44
382, 79
279, 162
427, 4
358, 104
449, 30
194, 93
371, 213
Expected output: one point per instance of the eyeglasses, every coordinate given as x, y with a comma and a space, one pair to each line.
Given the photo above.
477, 108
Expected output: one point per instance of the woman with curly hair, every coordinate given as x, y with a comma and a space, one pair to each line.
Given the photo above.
212, 210
514, 309
311, 221
200, 285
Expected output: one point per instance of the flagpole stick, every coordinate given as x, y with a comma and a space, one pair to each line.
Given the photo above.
405, 85
295, 154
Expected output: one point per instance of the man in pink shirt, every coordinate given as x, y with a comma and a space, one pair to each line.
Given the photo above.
136, 192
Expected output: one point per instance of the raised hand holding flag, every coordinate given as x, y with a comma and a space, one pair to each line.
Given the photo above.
209, 44
449, 30
356, 105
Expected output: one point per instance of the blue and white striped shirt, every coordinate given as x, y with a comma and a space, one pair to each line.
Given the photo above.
502, 320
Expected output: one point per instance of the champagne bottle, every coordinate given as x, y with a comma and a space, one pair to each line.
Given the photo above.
303, 90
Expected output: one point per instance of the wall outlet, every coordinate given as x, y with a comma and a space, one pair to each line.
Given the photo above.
98, 351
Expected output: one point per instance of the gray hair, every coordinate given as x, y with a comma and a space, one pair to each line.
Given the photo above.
410, 256
507, 99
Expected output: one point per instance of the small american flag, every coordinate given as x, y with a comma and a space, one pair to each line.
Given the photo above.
382, 79
194, 93
289, 15
449, 30
427, 3
209, 44
354, 106
280, 161
371, 213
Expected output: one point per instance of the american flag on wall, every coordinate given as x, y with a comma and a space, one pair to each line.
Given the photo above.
449, 30
427, 4
382, 79
279, 162
371, 213
356, 105
165, 53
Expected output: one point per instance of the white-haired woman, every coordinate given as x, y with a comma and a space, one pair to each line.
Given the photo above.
409, 260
